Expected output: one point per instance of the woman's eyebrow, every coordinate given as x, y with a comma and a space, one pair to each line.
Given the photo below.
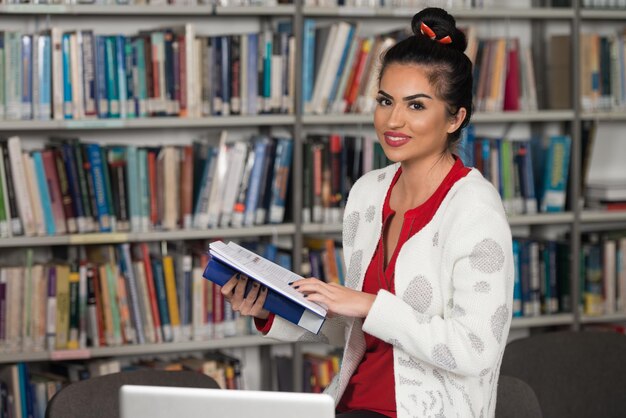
416, 96
407, 98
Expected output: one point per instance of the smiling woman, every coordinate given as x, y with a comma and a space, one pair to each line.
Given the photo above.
425, 312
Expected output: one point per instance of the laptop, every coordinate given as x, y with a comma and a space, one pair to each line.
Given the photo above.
168, 402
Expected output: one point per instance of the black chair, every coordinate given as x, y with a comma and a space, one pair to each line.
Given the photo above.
516, 399
99, 397
574, 374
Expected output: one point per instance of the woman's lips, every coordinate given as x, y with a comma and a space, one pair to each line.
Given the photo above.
395, 139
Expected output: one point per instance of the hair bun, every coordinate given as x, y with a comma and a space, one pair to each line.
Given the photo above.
442, 23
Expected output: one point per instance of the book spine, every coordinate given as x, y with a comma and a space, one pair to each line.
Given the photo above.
89, 73
282, 167
97, 173
172, 298
15, 226
100, 79
74, 283
131, 280
46, 202
18, 173
159, 285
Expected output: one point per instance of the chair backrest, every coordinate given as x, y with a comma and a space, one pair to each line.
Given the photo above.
516, 399
574, 374
99, 397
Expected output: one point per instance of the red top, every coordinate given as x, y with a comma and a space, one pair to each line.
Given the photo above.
372, 386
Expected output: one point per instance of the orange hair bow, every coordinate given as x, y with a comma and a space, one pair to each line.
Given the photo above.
427, 31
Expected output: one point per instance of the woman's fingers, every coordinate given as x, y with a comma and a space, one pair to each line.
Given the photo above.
248, 301
229, 286
257, 308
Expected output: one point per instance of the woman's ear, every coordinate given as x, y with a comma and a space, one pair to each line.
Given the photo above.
457, 120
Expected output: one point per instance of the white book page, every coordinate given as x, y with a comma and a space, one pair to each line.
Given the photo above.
263, 270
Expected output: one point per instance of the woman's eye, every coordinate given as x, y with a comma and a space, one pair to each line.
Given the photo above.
416, 106
383, 101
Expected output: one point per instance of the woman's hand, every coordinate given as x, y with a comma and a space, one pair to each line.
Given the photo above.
250, 305
339, 300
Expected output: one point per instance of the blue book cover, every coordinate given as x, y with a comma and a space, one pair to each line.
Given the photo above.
68, 109
282, 167
220, 272
253, 74
120, 61
44, 194
73, 183
159, 287
517, 284
267, 71
261, 146
112, 75
96, 165
465, 150
102, 100
556, 174
308, 60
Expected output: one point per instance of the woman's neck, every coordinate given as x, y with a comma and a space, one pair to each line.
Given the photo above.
419, 180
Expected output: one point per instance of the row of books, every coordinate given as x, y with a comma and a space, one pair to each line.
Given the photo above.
340, 69
108, 298
332, 163
164, 72
25, 389
531, 175
542, 285
323, 258
71, 186
603, 71
118, 295
318, 370
603, 273
223, 3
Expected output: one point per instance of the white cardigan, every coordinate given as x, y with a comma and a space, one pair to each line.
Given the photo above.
449, 319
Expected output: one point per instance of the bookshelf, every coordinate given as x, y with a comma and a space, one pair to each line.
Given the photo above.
299, 124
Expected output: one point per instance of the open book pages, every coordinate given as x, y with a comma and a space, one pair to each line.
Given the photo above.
264, 271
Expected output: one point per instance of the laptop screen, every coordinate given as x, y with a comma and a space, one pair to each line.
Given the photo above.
175, 402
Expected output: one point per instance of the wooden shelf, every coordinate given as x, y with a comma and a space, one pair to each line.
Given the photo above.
120, 237
487, 13
146, 123
137, 350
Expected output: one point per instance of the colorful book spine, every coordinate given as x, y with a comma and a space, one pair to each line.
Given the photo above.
46, 203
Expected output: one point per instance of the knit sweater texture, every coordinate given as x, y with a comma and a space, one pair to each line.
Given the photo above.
449, 319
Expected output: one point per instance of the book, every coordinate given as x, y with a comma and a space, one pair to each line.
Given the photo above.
229, 259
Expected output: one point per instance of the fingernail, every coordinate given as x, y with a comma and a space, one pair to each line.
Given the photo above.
306, 296
290, 283
255, 284
296, 287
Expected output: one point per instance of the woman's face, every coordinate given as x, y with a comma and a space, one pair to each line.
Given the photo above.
411, 122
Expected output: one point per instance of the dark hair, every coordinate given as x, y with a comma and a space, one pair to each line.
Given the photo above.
449, 70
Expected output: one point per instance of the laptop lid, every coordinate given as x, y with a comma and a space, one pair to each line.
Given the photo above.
168, 402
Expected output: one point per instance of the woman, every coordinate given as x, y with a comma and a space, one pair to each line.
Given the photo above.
426, 309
